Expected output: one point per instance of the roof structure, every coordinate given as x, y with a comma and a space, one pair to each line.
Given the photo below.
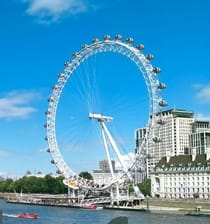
183, 161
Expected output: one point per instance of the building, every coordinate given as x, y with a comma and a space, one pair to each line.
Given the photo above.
185, 174
182, 176
141, 164
139, 136
173, 134
199, 139
103, 175
104, 165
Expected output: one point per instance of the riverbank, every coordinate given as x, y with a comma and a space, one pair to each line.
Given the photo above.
172, 206
178, 206
153, 205
179, 203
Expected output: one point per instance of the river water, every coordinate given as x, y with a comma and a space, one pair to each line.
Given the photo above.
58, 215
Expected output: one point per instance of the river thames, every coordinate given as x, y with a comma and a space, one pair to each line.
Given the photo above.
58, 215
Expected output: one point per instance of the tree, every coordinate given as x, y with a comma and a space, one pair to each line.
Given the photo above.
5, 185
33, 184
50, 184
145, 187
86, 175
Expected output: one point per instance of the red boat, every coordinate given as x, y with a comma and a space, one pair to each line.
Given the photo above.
89, 206
27, 215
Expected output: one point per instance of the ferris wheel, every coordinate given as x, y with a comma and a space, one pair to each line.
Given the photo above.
153, 86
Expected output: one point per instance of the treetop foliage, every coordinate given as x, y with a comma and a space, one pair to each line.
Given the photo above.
33, 184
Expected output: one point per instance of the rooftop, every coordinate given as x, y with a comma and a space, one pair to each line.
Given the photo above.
183, 160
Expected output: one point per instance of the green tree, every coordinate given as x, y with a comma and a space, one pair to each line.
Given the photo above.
33, 184
86, 175
5, 185
145, 187
25, 184
60, 187
50, 184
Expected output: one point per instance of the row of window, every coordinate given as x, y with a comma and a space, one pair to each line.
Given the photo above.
187, 190
189, 178
182, 168
189, 184
190, 195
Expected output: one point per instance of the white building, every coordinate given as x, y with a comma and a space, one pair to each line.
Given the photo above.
173, 134
183, 176
102, 176
187, 174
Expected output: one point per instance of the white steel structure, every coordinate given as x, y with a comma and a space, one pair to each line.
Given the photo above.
107, 137
156, 102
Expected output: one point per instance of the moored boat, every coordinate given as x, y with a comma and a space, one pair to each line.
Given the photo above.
89, 206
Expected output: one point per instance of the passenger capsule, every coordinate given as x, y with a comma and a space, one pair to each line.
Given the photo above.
156, 139
129, 40
61, 75
161, 121
107, 37
58, 172
163, 103
85, 46
67, 64
95, 40
47, 112
50, 99
48, 150
140, 47
156, 70
75, 54
46, 138
46, 125
149, 57
52, 161
118, 37
55, 87
161, 86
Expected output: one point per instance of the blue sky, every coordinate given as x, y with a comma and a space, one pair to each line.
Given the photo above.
38, 36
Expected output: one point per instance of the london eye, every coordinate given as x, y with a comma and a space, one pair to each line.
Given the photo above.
78, 109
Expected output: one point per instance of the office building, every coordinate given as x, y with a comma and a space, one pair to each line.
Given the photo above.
173, 134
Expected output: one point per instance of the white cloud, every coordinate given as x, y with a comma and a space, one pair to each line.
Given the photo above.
14, 104
3, 175
203, 94
48, 11
4, 154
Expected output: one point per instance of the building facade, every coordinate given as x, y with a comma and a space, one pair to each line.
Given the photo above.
187, 174
104, 165
183, 176
199, 139
173, 134
103, 175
